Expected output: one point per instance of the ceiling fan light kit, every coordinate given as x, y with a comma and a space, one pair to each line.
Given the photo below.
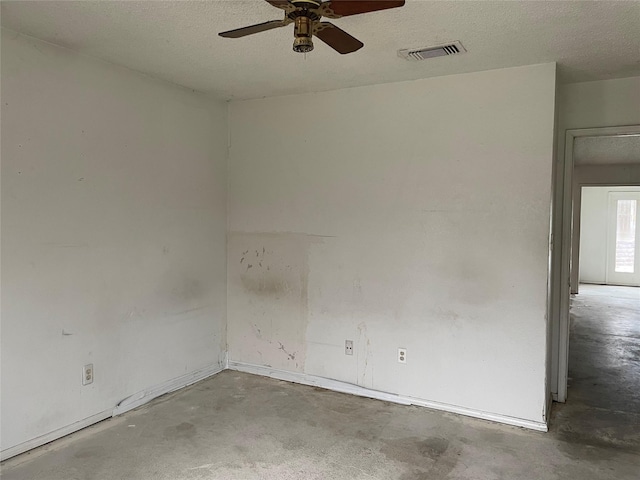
306, 16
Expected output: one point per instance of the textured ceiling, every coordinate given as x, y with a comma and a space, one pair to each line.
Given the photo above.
613, 150
178, 41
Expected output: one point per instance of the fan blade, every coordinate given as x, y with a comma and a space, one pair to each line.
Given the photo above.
260, 27
344, 8
336, 38
283, 4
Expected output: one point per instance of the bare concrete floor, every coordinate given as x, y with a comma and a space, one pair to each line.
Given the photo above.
603, 404
240, 426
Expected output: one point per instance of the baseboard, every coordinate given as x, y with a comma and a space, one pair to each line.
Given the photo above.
140, 398
547, 413
51, 436
125, 405
345, 387
304, 379
177, 383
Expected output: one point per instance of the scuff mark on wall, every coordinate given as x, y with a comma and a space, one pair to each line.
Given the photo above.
292, 356
190, 310
365, 368
258, 332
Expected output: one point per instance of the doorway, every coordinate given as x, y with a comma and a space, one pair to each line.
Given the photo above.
598, 374
610, 157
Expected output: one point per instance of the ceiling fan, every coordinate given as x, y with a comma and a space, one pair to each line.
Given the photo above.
306, 15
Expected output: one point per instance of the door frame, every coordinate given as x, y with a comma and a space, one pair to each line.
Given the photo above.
561, 363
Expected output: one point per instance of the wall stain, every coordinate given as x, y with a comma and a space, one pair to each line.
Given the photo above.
188, 288
271, 295
264, 285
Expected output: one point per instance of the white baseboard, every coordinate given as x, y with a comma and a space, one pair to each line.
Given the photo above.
51, 436
125, 405
140, 398
177, 383
547, 413
344, 387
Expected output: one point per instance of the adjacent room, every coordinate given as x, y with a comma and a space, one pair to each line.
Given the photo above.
604, 373
309, 239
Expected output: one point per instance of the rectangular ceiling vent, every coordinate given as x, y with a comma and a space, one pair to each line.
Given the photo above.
414, 54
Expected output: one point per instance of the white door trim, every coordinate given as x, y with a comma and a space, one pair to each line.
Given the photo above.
562, 317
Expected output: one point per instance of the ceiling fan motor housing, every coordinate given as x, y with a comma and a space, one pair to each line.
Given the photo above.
303, 24
305, 3
303, 32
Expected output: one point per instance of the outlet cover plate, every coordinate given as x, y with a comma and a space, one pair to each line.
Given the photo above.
348, 347
402, 355
87, 374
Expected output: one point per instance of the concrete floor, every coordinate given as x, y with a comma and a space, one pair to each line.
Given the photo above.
603, 400
240, 426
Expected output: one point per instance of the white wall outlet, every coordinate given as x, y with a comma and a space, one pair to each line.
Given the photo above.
87, 374
348, 347
402, 355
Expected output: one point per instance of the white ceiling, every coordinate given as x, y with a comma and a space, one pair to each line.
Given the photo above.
178, 41
608, 150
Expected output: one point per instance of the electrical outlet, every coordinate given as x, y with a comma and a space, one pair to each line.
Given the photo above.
87, 374
402, 355
348, 347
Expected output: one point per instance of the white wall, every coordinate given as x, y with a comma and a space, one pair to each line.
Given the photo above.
593, 232
598, 104
113, 242
409, 215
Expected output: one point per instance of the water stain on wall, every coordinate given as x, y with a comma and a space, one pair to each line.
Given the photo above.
268, 277
264, 285
188, 288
